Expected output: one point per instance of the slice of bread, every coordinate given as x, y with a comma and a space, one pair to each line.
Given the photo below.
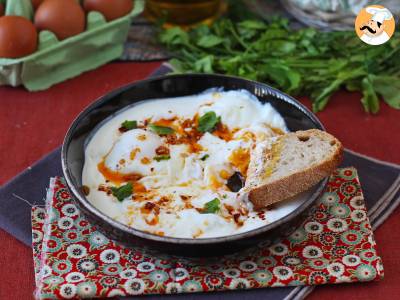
290, 164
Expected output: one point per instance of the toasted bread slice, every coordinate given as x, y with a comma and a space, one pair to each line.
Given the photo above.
290, 164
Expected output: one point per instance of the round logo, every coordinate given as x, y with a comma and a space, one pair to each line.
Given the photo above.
375, 25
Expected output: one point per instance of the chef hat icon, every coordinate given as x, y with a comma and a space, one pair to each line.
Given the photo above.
379, 14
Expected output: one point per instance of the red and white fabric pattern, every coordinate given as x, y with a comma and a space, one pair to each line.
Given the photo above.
73, 260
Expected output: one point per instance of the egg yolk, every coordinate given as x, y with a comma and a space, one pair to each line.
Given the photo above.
240, 158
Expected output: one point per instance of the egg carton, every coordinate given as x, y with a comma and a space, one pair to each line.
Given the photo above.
55, 61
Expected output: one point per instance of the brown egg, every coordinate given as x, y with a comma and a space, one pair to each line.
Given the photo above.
65, 18
36, 3
1, 9
111, 10
18, 37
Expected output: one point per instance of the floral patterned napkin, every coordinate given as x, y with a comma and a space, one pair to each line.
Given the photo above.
74, 260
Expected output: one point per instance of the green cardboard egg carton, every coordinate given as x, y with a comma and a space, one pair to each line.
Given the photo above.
55, 61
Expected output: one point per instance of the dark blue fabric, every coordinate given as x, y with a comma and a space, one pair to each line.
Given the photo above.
31, 185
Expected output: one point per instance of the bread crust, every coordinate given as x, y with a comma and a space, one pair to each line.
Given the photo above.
291, 185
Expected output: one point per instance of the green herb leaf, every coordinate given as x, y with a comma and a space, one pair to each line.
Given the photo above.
122, 192
389, 88
283, 75
211, 207
174, 36
209, 41
253, 24
204, 64
128, 125
178, 65
162, 157
322, 96
204, 157
370, 99
208, 121
161, 130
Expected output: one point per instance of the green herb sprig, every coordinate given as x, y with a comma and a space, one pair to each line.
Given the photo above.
299, 62
204, 157
161, 130
211, 207
122, 192
208, 121
162, 157
129, 125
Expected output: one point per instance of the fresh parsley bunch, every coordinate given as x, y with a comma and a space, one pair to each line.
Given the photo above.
299, 62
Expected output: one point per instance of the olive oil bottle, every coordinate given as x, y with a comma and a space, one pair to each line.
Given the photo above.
184, 12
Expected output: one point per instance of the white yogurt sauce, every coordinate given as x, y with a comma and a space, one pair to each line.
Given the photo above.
181, 185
